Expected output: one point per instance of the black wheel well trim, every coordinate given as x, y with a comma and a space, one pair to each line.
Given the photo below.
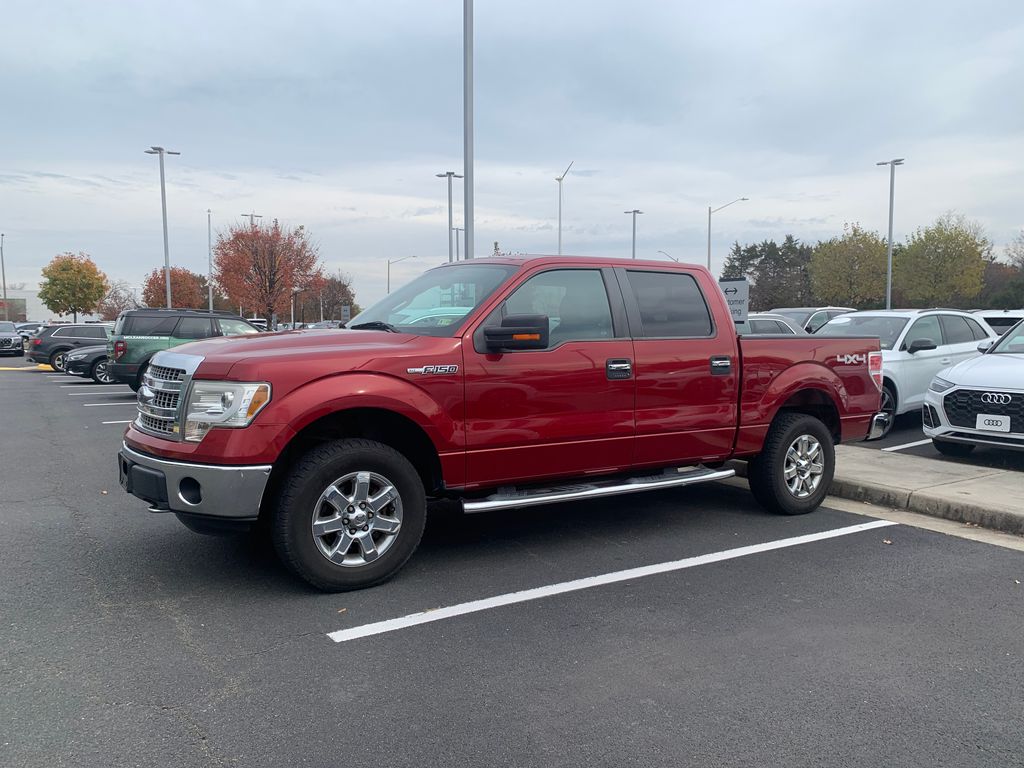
816, 403
379, 424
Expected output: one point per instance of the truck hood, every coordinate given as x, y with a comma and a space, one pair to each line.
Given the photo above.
999, 371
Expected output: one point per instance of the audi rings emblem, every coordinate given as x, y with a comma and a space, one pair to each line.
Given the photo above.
996, 398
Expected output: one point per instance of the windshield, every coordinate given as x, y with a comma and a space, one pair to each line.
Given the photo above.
798, 316
7, 328
1012, 342
436, 302
887, 329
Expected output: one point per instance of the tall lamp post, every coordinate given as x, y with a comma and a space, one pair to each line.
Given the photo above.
163, 205
457, 230
559, 179
892, 194
634, 213
251, 217
209, 255
3, 274
716, 210
467, 121
395, 261
451, 175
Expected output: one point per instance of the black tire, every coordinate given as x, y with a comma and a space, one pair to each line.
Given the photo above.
766, 473
297, 505
57, 360
100, 372
956, 450
888, 405
137, 384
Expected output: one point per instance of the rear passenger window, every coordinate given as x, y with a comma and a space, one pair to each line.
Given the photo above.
976, 329
925, 328
670, 304
141, 325
955, 329
193, 328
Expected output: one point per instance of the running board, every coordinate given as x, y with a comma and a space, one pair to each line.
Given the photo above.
512, 498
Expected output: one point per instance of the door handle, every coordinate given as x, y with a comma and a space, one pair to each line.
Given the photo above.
721, 366
618, 368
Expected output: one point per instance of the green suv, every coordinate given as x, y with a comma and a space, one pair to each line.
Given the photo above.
141, 333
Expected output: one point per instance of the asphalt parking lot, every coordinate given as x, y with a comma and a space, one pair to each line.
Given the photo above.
907, 437
129, 640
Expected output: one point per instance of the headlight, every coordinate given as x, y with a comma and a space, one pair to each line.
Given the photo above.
75, 357
222, 404
940, 385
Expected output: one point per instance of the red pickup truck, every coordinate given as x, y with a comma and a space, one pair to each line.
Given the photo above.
499, 383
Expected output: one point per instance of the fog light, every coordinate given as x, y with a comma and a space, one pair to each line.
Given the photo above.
189, 490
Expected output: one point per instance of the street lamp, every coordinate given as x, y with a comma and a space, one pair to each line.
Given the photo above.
559, 180
395, 261
251, 217
716, 210
892, 193
3, 273
457, 230
670, 256
634, 213
467, 122
209, 255
451, 175
163, 205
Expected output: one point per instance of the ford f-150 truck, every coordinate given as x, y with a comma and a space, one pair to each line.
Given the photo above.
553, 379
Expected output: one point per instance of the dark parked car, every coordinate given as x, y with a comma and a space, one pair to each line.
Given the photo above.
89, 362
10, 340
52, 343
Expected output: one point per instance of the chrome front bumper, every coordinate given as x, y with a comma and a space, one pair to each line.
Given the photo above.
230, 492
879, 425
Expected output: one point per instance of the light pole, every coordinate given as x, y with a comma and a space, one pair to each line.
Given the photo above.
395, 261
716, 210
634, 214
457, 230
451, 175
163, 205
209, 255
251, 217
559, 179
892, 194
295, 292
467, 121
3, 273
670, 256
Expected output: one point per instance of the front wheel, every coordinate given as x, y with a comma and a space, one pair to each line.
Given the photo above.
57, 360
101, 372
793, 473
349, 515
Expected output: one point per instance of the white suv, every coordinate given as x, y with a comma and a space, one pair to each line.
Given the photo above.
916, 345
980, 401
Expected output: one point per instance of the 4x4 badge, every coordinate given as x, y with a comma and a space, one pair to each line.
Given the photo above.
434, 369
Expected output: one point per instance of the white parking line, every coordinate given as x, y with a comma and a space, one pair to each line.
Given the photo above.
129, 421
537, 593
93, 405
907, 445
98, 394
89, 384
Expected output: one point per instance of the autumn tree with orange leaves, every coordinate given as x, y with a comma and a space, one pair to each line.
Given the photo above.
188, 290
259, 265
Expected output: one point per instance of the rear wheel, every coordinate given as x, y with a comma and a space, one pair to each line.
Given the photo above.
888, 406
349, 515
137, 384
101, 372
952, 449
793, 473
57, 360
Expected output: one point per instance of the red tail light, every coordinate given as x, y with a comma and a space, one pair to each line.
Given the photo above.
120, 347
875, 368
36, 342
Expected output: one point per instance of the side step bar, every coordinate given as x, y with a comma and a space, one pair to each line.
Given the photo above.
513, 498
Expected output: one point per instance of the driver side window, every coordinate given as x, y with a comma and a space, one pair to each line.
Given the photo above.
924, 328
574, 300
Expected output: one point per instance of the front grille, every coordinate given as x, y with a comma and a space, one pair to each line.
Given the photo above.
964, 405
159, 398
6, 342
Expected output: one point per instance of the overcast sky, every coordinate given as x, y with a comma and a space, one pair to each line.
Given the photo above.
337, 115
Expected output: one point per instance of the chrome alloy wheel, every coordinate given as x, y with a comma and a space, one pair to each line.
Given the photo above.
803, 468
357, 519
103, 373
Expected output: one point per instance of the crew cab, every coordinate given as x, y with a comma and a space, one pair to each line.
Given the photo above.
565, 378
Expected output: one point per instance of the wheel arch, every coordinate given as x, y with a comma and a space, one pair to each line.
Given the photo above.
378, 424
817, 403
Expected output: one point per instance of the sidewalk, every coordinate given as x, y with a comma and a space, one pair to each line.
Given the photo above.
991, 498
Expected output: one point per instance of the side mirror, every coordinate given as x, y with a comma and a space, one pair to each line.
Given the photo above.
518, 332
920, 345
986, 345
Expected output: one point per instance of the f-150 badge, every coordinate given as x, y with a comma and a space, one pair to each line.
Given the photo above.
433, 370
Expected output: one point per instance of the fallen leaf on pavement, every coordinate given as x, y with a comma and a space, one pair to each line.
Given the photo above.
342, 610
104, 493
887, 541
